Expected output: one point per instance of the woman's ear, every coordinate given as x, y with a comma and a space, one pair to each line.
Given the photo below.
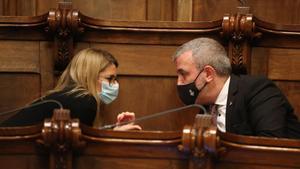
210, 73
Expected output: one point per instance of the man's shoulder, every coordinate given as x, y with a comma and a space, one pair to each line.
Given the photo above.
251, 83
250, 80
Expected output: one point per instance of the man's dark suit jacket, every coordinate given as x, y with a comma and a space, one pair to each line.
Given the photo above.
255, 106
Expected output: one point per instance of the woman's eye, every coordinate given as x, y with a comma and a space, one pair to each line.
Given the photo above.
112, 79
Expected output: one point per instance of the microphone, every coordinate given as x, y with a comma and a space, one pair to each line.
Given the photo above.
33, 105
111, 126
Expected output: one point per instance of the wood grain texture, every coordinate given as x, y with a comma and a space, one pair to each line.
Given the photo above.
281, 11
26, 8
184, 10
19, 56
35, 161
206, 10
128, 9
113, 9
43, 6
148, 60
46, 66
124, 163
176, 10
94, 8
259, 61
283, 64
10, 7
162, 10
18, 89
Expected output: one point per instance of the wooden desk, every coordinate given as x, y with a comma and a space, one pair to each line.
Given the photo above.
63, 143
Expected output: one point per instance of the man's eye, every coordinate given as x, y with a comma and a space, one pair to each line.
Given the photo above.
184, 74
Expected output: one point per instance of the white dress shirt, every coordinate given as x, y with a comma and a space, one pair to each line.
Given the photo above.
221, 103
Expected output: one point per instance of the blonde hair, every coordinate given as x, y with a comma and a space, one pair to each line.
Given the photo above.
82, 73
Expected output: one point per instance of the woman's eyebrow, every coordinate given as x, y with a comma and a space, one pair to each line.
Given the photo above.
113, 76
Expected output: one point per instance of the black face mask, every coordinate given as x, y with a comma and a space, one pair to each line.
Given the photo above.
188, 93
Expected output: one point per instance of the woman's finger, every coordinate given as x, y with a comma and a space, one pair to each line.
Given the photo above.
128, 127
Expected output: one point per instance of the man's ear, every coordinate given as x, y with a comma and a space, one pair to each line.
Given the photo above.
210, 73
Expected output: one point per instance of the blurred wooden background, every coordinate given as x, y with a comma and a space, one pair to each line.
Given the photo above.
147, 74
279, 11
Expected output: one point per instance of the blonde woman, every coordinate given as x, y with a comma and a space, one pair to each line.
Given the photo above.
88, 82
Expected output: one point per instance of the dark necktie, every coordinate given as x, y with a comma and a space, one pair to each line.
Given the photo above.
214, 114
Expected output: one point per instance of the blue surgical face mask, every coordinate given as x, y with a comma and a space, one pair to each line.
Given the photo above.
109, 92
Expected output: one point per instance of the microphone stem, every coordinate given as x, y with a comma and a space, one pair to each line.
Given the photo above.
154, 115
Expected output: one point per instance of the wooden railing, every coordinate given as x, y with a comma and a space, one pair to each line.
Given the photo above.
63, 143
214, 149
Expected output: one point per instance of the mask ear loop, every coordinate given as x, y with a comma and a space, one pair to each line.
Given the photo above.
197, 78
199, 74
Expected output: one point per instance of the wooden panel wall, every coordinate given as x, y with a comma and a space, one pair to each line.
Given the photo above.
282, 66
26, 72
171, 10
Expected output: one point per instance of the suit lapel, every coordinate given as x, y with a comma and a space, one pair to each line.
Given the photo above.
233, 89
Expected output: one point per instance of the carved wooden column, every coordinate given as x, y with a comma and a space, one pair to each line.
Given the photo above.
63, 24
202, 142
239, 30
61, 136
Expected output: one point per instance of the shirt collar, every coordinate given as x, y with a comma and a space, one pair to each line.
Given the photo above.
222, 97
